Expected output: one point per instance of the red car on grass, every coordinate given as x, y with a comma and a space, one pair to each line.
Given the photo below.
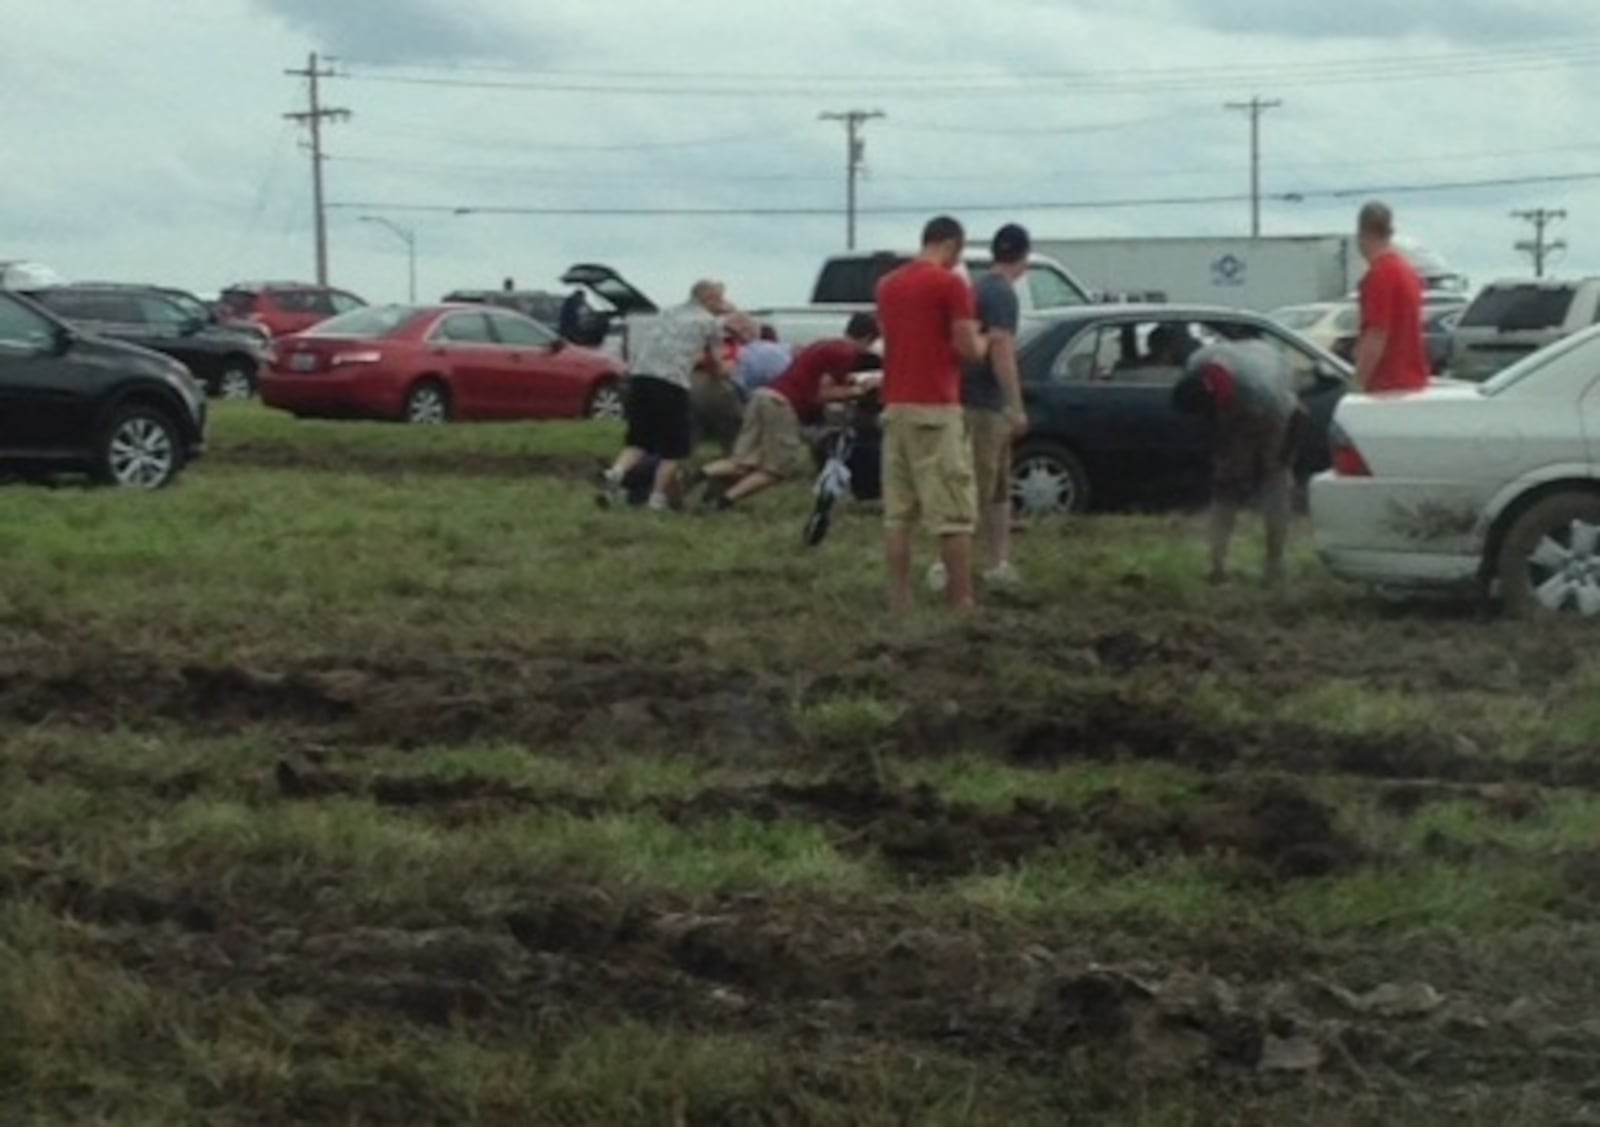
437, 363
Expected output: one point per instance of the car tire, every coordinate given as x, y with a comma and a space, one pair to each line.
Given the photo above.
236, 381
427, 403
1048, 479
140, 448
606, 402
1549, 560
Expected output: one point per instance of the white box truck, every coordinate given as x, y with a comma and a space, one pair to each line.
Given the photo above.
1257, 274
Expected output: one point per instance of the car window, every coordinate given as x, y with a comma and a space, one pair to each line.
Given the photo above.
111, 308
21, 327
63, 303
1519, 308
521, 331
238, 303
344, 302
192, 306
157, 310
1297, 317
1049, 290
302, 302
465, 328
1129, 354
847, 281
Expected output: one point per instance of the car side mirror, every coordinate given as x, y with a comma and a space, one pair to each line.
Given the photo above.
62, 340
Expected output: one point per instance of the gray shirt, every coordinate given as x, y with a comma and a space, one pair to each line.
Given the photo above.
998, 308
670, 345
1262, 380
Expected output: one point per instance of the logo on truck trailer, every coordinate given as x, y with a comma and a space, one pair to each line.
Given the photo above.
1229, 270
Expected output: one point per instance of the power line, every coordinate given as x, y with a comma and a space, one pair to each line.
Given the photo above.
315, 114
1300, 196
1255, 107
1539, 248
1352, 66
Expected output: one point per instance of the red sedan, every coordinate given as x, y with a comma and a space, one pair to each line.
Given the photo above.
434, 364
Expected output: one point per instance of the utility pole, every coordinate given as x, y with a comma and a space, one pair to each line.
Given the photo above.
314, 116
1541, 250
855, 157
1255, 107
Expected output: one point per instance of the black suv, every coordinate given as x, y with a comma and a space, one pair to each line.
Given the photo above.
81, 404
225, 360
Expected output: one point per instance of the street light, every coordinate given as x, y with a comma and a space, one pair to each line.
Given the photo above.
407, 236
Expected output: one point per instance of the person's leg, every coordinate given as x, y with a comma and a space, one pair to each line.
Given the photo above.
1224, 516
899, 511
749, 486
1277, 509
955, 550
676, 443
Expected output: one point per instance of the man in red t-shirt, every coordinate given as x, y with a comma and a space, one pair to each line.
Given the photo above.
930, 328
769, 447
1391, 354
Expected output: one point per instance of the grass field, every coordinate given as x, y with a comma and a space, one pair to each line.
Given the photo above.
373, 776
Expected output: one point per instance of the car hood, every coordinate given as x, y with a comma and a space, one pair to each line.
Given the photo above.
1437, 391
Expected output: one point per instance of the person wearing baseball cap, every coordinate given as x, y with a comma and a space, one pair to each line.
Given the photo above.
991, 393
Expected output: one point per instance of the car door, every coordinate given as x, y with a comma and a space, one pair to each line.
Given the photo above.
480, 377
46, 391
1110, 399
549, 379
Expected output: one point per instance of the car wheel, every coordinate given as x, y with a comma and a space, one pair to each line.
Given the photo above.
428, 404
606, 402
1048, 480
1550, 559
236, 381
141, 449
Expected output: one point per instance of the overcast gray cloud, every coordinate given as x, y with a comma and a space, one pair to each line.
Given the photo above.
189, 174
1446, 21
406, 31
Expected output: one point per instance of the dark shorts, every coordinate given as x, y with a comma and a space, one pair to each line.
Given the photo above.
659, 420
1250, 449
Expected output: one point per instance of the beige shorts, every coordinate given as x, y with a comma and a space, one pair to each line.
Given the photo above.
769, 441
927, 471
991, 455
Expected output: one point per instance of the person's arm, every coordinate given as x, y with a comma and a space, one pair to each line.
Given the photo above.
1377, 305
1004, 318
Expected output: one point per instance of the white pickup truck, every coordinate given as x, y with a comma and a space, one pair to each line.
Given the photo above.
848, 284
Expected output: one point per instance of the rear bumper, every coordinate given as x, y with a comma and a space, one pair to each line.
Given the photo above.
352, 395
1368, 533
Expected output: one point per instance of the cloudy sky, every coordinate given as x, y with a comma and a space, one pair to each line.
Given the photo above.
144, 138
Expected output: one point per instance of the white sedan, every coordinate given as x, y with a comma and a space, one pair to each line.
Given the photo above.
1494, 485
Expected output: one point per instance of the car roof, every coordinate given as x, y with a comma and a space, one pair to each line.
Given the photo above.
1152, 311
272, 287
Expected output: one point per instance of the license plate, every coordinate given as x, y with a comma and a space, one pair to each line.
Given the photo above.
303, 361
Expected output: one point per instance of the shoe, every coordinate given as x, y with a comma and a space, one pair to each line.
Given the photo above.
1003, 575
609, 495
938, 577
660, 503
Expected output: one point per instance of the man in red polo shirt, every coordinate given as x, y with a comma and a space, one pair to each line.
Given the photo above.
929, 320
1391, 355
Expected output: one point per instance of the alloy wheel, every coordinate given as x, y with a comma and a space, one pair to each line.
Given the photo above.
142, 454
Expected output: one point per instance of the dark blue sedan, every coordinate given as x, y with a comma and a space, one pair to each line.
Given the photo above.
1098, 384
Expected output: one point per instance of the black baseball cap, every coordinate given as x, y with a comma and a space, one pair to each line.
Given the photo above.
1011, 243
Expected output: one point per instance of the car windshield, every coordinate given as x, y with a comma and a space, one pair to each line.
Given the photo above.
1532, 365
369, 321
1513, 308
1298, 317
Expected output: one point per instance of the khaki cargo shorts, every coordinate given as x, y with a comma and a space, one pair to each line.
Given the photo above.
927, 470
769, 441
991, 455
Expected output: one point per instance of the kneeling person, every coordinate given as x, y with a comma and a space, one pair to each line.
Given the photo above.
769, 447
1247, 389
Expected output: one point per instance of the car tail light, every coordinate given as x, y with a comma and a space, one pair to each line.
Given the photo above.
364, 356
1347, 460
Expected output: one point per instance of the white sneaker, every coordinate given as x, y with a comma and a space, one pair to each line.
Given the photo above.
659, 503
1005, 575
938, 577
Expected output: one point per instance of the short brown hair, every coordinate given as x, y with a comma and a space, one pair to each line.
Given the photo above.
1376, 219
